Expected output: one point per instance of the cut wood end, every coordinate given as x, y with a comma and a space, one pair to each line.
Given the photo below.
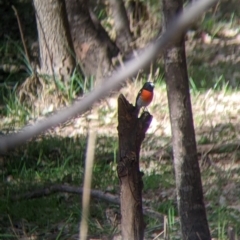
124, 104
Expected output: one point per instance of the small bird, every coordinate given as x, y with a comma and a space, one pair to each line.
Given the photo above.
145, 95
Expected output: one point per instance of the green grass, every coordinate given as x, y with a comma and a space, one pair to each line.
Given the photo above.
52, 160
15, 68
17, 113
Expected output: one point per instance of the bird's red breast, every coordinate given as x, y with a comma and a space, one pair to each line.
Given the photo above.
145, 95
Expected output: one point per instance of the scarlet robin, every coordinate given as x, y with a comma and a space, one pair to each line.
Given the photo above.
145, 95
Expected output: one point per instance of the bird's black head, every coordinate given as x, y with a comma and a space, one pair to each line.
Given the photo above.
149, 86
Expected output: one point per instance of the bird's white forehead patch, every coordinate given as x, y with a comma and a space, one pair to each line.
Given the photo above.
152, 84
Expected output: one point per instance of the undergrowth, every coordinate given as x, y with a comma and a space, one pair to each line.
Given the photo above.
50, 160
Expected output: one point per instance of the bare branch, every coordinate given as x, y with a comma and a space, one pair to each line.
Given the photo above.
107, 197
181, 23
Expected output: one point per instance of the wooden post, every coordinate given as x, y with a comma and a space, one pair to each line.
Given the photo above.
131, 132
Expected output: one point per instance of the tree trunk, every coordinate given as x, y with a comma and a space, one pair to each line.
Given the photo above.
92, 50
131, 132
122, 26
103, 35
54, 39
191, 207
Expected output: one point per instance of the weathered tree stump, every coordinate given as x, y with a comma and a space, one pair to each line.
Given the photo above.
131, 132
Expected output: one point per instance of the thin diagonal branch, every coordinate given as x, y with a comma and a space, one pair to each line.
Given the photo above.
178, 26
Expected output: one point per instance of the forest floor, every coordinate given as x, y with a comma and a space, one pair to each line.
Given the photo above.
57, 157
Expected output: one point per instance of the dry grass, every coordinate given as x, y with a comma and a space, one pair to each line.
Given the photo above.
214, 112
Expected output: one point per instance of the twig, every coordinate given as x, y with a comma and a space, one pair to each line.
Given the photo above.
13, 229
21, 33
181, 23
83, 228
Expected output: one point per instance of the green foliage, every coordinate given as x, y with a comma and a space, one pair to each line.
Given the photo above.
15, 67
17, 112
204, 140
76, 86
216, 84
210, 25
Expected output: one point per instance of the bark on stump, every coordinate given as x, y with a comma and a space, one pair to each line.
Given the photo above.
131, 131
